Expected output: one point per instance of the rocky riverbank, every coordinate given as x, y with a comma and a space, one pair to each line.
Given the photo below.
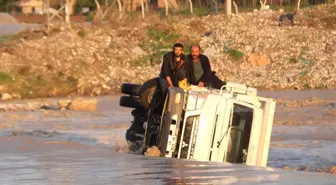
94, 59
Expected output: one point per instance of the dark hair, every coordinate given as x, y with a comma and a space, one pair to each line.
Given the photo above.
199, 47
178, 45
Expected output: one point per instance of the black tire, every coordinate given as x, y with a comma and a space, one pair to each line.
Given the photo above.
130, 89
131, 102
147, 91
146, 97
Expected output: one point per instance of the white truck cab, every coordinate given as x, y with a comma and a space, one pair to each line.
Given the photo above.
228, 125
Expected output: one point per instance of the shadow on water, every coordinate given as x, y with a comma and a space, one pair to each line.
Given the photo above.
83, 166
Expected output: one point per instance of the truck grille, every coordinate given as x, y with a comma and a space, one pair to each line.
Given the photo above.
188, 140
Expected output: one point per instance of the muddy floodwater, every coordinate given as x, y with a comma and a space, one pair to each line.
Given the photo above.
68, 147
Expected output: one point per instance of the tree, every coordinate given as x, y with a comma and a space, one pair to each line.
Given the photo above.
142, 8
85, 3
67, 16
228, 7
236, 7
216, 6
166, 5
5, 5
108, 6
191, 7
120, 9
298, 5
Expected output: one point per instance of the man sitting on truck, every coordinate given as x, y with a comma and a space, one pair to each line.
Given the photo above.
199, 70
173, 67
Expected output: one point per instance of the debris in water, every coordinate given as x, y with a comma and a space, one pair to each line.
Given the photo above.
152, 151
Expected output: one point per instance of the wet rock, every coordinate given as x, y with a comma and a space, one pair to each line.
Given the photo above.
331, 105
34, 106
333, 169
63, 103
45, 107
37, 133
16, 96
153, 151
258, 60
3, 107
287, 168
81, 104
6, 97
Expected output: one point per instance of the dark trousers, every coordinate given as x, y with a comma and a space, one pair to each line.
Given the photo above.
215, 82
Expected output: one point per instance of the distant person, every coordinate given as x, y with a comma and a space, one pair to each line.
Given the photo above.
199, 70
173, 67
289, 16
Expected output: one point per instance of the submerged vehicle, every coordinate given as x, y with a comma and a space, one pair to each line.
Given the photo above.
231, 124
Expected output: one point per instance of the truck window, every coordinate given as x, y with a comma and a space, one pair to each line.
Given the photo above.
240, 131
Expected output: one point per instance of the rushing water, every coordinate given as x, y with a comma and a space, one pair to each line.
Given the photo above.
65, 147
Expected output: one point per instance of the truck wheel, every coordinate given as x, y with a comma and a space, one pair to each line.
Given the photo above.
127, 101
146, 97
130, 89
147, 91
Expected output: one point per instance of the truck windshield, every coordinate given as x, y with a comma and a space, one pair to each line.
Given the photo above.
240, 131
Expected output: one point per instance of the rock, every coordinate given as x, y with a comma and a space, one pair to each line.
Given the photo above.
63, 103
45, 107
6, 97
330, 47
112, 52
3, 107
258, 60
333, 169
210, 52
7, 19
248, 49
153, 151
81, 104
330, 105
138, 51
207, 34
16, 96
287, 168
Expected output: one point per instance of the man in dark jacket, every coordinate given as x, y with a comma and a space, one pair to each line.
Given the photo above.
199, 70
173, 68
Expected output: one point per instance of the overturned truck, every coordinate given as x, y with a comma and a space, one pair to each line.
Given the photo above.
231, 124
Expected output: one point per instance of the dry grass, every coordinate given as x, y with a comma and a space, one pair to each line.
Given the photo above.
30, 85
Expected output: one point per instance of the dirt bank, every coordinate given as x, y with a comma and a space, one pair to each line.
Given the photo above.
94, 59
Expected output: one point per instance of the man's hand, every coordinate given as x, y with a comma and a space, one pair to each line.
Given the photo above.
170, 83
200, 84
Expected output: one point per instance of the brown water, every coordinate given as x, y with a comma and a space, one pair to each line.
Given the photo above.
55, 147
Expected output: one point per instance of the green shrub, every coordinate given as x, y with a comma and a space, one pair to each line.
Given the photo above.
235, 54
5, 78
90, 16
